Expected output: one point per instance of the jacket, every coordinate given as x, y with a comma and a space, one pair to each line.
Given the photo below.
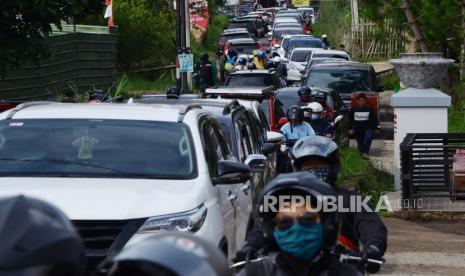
296, 132
321, 127
281, 264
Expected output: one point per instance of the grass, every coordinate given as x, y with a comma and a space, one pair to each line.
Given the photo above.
139, 84
391, 82
373, 182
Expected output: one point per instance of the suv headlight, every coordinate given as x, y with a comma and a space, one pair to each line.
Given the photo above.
186, 221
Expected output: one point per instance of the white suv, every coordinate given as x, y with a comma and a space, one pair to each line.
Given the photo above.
121, 171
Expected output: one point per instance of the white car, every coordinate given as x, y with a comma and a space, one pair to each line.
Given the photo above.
297, 62
330, 54
284, 20
282, 47
121, 171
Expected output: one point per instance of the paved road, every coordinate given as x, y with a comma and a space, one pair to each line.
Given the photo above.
432, 248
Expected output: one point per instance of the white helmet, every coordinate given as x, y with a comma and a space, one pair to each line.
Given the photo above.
276, 59
315, 107
324, 36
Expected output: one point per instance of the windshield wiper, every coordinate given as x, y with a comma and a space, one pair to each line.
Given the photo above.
60, 161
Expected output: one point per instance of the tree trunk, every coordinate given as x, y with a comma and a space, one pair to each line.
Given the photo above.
414, 26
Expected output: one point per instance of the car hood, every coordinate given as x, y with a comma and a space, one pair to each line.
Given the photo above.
109, 199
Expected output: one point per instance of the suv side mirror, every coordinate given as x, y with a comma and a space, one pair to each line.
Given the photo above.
231, 172
274, 137
268, 148
256, 162
282, 121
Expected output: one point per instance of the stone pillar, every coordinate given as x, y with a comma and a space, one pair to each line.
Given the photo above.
421, 107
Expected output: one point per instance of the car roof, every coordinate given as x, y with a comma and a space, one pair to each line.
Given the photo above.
285, 19
251, 72
342, 64
288, 29
336, 52
297, 35
242, 40
303, 49
301, 38
235, 31
34, 110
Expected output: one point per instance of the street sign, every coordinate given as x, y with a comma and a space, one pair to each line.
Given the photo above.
186, 63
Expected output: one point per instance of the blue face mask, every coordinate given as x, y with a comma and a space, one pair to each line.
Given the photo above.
322, 173
300, 241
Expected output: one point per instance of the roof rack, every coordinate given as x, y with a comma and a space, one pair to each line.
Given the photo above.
231, 106
183, 111
24, 106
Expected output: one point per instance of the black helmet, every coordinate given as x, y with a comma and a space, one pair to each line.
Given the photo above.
97, 95
320, 95
172, 93
304, 90
317, 147
170, 253
299, 183
37, 239
295, 113
204, 56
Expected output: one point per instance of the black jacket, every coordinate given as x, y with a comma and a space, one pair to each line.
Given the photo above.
321, 127
357, 228
362, 118
281, 264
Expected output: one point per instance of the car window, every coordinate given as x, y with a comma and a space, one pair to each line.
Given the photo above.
305, 43
279, 110
286, 43
300, 56
214, 144
252, 80
96, 148
265, 104
345, 81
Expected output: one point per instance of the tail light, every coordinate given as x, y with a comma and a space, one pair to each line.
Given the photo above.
5, 106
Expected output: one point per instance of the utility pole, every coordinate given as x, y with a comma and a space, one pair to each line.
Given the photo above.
187, 76
182, 42
355, 28
414, 26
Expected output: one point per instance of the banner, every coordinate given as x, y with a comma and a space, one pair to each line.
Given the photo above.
198, 13
301, 3
186, 63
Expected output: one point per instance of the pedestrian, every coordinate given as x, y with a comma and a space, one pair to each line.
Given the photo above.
326, 44
304, 234
363, 124
320, 156
204, 71
319, 125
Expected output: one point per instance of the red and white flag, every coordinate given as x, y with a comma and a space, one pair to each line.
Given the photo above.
109, 12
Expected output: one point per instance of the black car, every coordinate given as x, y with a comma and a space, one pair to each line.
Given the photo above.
343, 77
288, 97
229, 34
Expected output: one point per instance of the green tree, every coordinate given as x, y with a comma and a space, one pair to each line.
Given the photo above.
146, 31
25, 25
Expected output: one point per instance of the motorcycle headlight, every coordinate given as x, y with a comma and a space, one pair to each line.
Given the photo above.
186, 221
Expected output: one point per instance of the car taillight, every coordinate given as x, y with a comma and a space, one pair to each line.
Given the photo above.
6, 106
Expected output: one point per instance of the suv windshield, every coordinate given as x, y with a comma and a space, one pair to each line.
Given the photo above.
96, 148
245, 48
252, 80
340, 80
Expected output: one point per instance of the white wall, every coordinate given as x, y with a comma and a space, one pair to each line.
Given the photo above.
415, 120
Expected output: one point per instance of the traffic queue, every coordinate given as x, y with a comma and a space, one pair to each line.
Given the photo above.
184, 184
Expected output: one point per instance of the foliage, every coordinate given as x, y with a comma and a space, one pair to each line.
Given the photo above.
391, 82
24, 27
373, 182
146, 33
215, 27
334, 20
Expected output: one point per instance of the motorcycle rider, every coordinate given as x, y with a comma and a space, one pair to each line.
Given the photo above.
204, 70
241, 64
37, 239
259, 59
304, 234
170, 254
320, 156
328, 112
295, 128
319, 125
326, 44
280, 67
304, 95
